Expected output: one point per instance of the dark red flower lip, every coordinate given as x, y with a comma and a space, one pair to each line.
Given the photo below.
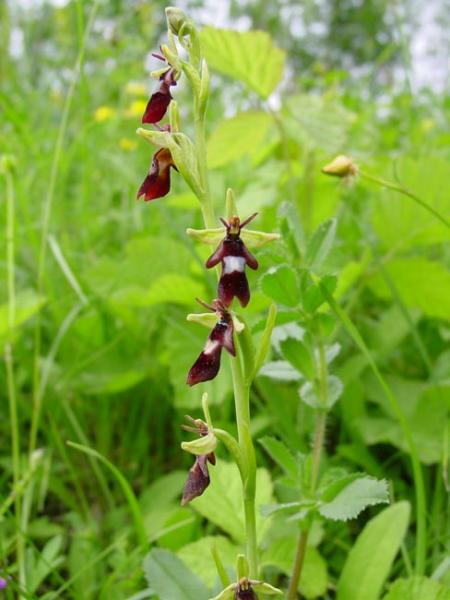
157, 182
207, 364
234, 257
198, 478
159, 101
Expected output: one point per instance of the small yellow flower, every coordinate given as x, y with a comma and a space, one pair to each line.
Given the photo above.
135, 109
104, 113
127, 144
427, 125
134, 88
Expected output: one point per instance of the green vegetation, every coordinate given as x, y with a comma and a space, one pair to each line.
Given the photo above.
344, 360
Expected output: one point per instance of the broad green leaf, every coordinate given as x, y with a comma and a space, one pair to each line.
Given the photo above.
281, 284
281, 370
298, 354
354, 498
309, 394
28, 303
169, 577
421, 283
280, 454
311, 293
369, 561
417, 588
170, 288
320, 244
399, 220
318, 121
248, 56
236, 137
198, 558
314, 577
221, 503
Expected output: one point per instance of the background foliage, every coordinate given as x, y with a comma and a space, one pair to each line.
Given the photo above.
119, 277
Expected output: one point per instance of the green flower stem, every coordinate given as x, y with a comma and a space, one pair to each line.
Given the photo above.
319, 436
10, 373
241, 387
402, 190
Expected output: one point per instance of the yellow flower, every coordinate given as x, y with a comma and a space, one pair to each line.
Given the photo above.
104, 113
135, 109
427, 125
127, 144
134, 88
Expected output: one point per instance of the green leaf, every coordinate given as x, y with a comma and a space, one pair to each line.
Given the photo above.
281, 284
281, 455
421, 283
417, 588
248, 56
298, 354
264, 344
28, 303
310, 396
312, 296
198, 558
222, 501
370, 559
314, 577
320, 244
170, 288
169, 577
280, 370
354, 498
236, 137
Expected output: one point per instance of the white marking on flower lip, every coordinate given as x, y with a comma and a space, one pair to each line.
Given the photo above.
233, 263
210, 346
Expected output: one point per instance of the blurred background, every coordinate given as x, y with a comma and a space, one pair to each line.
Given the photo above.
104, 282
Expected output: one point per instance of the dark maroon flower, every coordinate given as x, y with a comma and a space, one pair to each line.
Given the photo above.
207, 364
198, 478
157, 105
233, 255
157, 182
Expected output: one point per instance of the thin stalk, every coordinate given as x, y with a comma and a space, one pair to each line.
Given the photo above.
402, 190
10, 372
46, 213
241, 388
319, 436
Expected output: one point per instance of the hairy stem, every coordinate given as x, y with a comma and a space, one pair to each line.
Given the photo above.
319, 435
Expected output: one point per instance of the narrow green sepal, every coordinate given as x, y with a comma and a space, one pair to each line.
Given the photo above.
206, 319
204, 88
226, 594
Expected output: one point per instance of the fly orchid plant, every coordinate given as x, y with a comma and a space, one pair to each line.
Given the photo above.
231, 245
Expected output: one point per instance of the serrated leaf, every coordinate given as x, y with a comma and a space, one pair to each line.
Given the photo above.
299, 356
354, 498
280, 370
236, 137
320, 244
248, 56
310, 396
281, 284
417, 588
280, 454
370, 559
169, 577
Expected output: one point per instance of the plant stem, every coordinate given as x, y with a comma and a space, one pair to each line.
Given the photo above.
10, 373
319, 435
240, 385
402, 190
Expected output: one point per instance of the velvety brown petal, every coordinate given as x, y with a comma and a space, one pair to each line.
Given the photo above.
157, 182
197, 481
157, 105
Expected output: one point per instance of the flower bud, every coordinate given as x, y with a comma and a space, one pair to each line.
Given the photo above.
177, 20
341, 166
